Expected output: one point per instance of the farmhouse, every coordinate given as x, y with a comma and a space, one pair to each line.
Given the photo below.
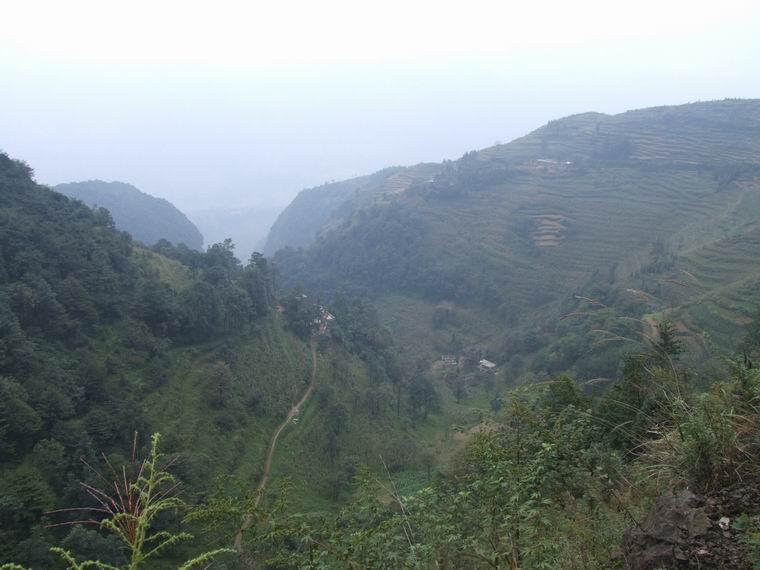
449, 360
322, 322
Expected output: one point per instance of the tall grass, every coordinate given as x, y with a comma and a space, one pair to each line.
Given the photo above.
713, 441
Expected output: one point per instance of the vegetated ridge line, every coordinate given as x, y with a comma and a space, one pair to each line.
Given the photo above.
293, 412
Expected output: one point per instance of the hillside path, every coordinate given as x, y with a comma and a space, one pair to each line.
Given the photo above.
292, 413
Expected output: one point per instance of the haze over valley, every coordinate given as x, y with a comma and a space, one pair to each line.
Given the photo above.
414, 285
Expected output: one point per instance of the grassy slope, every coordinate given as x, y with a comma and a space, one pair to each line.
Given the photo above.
179, 408
227, 441
275, 365
170, 271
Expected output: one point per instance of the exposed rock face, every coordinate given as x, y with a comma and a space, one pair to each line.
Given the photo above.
665, 535
685, 530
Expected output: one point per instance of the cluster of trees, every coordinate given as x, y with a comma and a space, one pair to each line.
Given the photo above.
387, 239
612, 147
303, 313
224, 298
80, 314
389, 248
468, 174
360, 330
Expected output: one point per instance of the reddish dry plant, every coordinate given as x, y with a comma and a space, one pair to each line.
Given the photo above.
121, 498
131, 507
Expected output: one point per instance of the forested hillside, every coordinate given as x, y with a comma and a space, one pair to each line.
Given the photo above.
146, 218
105, 342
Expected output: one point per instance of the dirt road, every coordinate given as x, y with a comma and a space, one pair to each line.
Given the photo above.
292, 413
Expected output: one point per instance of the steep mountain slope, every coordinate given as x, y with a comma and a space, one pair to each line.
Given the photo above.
103, 342
147, 218
313, 210
590, 205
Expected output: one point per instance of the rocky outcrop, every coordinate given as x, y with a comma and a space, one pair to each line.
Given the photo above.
685, 530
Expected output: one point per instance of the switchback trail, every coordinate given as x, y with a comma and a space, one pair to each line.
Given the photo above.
293, 412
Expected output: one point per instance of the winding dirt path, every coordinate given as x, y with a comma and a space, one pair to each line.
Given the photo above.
292, 413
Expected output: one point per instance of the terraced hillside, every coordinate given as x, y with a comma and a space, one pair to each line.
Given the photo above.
716, 287
589, 204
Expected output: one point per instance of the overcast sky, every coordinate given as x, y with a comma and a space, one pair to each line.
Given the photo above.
222, 104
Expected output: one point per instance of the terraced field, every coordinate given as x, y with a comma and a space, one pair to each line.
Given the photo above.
665, 201
549, 230
716, 287
402, 181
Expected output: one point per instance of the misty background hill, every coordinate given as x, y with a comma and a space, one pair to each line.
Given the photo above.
148, 219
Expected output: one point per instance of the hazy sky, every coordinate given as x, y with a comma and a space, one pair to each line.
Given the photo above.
216, 104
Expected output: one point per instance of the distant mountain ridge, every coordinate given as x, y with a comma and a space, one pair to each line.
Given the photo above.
147, 218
